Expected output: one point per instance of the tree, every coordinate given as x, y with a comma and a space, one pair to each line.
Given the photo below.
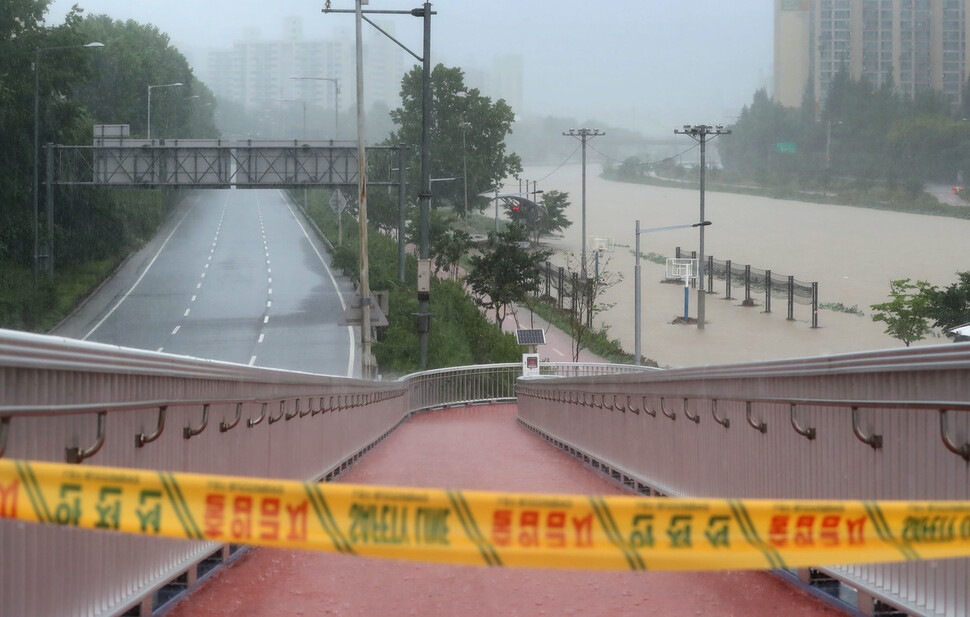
447, 245
483, 147
587, 303
139, 55
540, 218
906, 313
950, 307
505, 273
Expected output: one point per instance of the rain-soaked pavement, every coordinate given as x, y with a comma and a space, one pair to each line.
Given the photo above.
479, 448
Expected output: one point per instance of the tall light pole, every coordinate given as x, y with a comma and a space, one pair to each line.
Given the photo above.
424, 198
464, 126
336, 98
584, 135
37, 52
636, 280
177, 84
701, 133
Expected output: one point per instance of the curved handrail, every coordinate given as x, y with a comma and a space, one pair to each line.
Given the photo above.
873, 440
725, 422
141, 438
807, 433
629, 404
188, 432
761, 427
663, 408
254, 421
962, 450
78, 455
296, 411
277, 418
692, 418
227, 426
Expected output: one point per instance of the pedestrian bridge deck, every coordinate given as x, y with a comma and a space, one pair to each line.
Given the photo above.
480, 448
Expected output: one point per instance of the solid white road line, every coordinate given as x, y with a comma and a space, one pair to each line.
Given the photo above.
340, 296
139, 279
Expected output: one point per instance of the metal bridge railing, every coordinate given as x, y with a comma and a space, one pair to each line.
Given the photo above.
490, 383
879, 425
66, 400
890, 425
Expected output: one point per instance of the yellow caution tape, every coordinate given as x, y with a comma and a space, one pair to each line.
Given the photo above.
495, 529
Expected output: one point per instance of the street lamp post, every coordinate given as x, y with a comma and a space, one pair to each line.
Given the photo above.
636, 279
464, 126
534, 193
336, 100
174, 85
584, 135
424, 198
701, 133
36, 187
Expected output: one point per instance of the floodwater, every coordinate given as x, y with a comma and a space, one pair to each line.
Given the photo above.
853, 254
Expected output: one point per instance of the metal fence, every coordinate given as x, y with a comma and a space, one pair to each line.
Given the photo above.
772, 285
881, 425
64, 400
566, 290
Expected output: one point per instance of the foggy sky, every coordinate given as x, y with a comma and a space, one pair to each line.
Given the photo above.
652, 65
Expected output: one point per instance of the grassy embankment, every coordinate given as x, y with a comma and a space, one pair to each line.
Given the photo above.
101, 231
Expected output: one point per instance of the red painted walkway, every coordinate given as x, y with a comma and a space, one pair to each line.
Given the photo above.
478, 448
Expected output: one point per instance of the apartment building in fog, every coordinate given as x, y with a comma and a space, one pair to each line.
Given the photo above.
918, 44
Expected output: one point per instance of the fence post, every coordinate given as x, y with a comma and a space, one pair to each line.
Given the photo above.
548, 268
710, 273
573, 299
815, 304
747, 286
791, 298
559, 297
767, 291
727, 277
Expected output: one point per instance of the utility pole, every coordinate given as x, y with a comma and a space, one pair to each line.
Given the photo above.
701, 133
425, 13
584, 135
367, 364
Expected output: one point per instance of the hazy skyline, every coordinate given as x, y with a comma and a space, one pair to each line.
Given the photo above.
648, 65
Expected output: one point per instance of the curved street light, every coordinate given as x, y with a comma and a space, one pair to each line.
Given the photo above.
336, 99
50, 224
174, 85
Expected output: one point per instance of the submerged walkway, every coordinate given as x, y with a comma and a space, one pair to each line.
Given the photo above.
478, 448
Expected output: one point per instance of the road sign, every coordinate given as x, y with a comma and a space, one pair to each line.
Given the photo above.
786, 147
338, 203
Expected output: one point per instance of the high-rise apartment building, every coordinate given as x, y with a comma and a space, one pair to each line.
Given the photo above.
257, 72
917, 45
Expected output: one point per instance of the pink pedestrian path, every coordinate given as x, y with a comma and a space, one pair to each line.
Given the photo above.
481, 448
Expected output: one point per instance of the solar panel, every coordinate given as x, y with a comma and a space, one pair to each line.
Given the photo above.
531, 336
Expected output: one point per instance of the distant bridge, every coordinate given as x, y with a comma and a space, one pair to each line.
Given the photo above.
209, 164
